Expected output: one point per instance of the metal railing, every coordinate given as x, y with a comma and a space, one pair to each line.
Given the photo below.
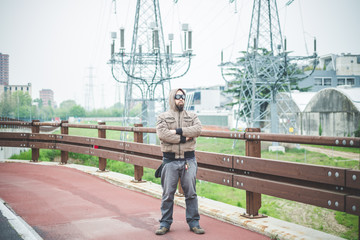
324, 186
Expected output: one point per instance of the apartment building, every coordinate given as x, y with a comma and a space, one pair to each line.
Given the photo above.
4, 69
334, 71
47, 97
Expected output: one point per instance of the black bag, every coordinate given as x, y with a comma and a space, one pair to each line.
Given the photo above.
158, 171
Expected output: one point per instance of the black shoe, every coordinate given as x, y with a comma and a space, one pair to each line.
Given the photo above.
161, 231
198, 230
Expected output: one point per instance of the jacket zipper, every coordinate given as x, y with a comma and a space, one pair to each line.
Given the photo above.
180, 137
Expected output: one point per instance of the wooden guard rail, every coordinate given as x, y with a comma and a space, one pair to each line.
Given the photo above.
328, 187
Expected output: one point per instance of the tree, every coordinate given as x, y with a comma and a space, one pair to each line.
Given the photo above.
6, 106
77, 111
16, 105
67, 104
64, 109
263, 67
39, 101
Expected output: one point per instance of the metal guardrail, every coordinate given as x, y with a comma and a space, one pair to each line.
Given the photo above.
324, 186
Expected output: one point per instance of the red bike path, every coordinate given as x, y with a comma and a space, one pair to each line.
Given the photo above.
64, 203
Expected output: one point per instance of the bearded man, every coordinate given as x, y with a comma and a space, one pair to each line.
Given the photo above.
177, 130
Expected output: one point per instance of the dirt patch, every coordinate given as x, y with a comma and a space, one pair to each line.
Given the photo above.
70, 160
333, 153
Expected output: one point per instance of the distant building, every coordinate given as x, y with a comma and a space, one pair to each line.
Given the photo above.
210, 105
207, 99
4, 69
14, 88
336, 70
47, 97
336, 111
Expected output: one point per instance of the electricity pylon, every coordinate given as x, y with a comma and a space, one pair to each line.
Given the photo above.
89, 90
264, 70
151, 64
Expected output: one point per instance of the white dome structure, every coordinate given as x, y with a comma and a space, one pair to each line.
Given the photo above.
336, 110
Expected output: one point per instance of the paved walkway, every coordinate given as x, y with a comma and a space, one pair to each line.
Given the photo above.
75, 202
64, 203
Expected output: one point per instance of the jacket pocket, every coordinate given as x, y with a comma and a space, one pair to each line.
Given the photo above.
188, 122
171, 123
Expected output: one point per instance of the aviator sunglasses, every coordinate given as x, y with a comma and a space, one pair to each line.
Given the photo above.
179, 96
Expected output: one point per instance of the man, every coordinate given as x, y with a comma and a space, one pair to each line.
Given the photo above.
177, 130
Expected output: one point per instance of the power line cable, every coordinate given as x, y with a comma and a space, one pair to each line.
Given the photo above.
302, 26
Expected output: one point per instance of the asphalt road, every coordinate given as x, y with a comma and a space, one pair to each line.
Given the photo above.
6, 230
63, 203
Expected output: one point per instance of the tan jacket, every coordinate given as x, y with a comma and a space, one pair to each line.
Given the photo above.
188, 122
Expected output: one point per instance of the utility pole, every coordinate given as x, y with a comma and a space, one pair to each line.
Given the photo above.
264, 71
89, 90
150, 65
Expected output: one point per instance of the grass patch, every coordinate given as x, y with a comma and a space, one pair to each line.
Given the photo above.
45, 155
225, 194
351, 222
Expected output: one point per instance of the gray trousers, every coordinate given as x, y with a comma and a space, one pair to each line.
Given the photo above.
170, 175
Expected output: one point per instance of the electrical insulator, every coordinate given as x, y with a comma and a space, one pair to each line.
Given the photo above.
285, 44
185, 27
314, 44
185, 41
155, 39
122, 38
167, 49
113, 35
112, 48
189, 39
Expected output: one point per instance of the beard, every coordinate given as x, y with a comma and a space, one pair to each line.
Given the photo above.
180, 107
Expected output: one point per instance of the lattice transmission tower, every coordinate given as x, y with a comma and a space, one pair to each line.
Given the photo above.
89, 90
263, 71
148, 68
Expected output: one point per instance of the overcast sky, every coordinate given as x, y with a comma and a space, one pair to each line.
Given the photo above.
52, 43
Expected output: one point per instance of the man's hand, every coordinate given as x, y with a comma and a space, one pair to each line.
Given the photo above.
172, 131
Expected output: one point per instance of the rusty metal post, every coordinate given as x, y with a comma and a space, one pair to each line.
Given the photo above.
253, 200
64, 154
138, 170
35, 151
102, 134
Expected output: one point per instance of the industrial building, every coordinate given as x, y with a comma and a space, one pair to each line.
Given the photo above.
334, 70
210, 104
14, 88
328, 112
4, 69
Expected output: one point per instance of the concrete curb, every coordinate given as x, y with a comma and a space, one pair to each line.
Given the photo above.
271, 227
21, 227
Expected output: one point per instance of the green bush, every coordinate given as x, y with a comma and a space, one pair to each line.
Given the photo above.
46, 155
22, 156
